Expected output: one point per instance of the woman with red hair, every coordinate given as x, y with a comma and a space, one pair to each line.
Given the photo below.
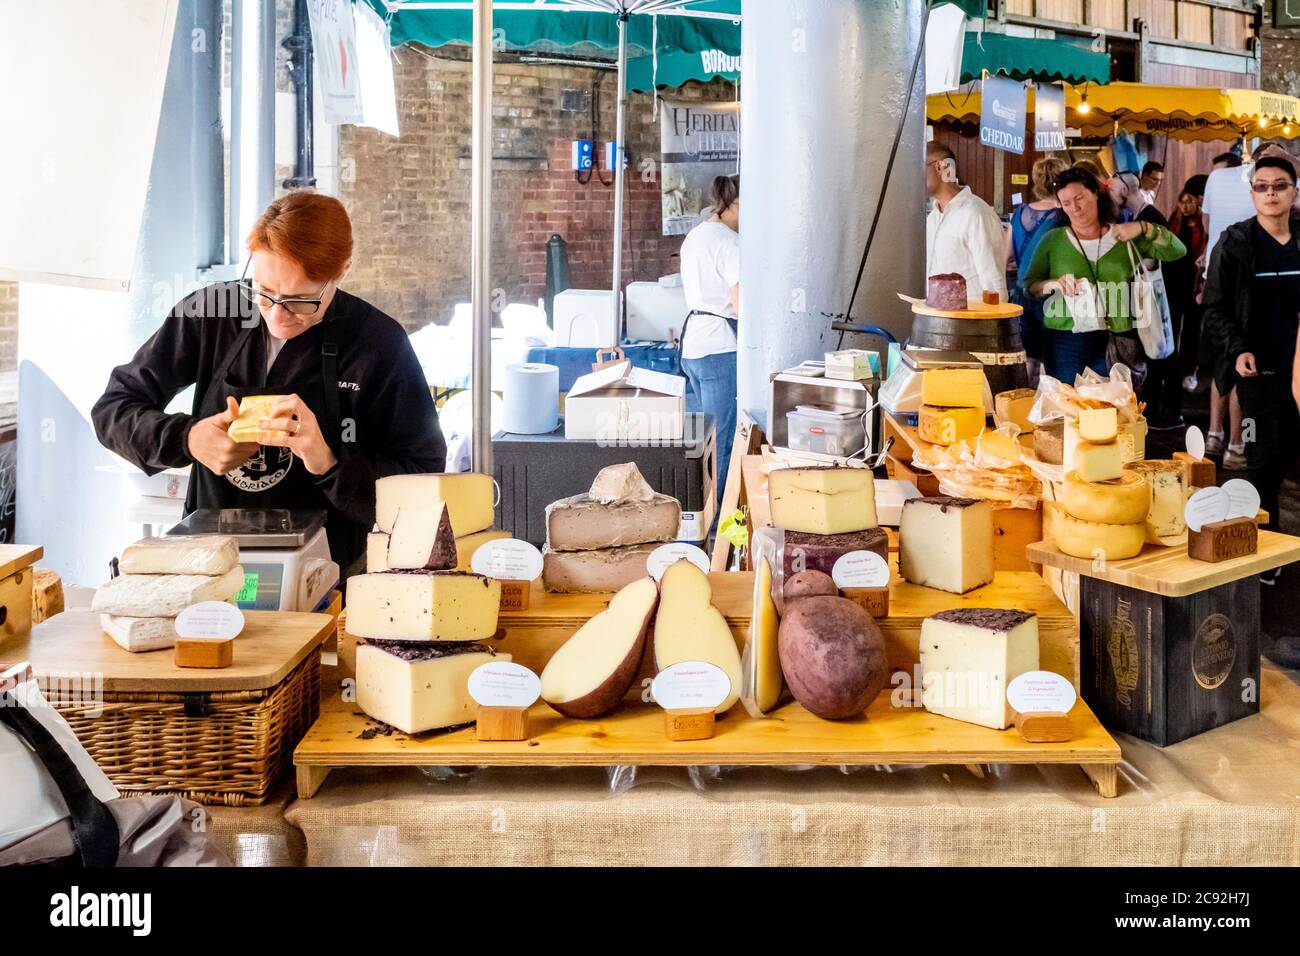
352, 402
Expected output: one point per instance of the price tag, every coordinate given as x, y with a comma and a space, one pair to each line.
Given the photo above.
1038, 692
503, 684
508, 560
210, 621
670, 554
1243, 499
691, 685
861, 569
1196, 443
1206, 507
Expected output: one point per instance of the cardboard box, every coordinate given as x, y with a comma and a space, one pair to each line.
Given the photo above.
624, 404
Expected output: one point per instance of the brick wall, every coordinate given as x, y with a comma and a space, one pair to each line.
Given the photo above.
410, 197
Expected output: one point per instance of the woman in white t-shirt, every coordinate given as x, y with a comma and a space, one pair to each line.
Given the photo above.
711, 277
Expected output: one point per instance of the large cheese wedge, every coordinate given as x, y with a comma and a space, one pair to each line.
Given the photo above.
969, 656
689, 628
1093, 540
422, 540
137, 634
164, 595
252, 410
1099, 462
584, 524
946, 543
822, 500
418, 688
594, 669
433, 606
594, 572
620, 483
953, 387
1015, 406
469, 498
1125, 501
947, 426
1169, 486
761, 661
210, 554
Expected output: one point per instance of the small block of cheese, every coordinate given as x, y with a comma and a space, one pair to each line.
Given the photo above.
210, 554
422, 540
823, 500
969, 656
469, 498
417, 692
1049, 442
620, 483
137, 634
432, 606
1100, 426
1015, 406
953, 387
583, 524
594, 572
947, 543
947, 426
377, 552
1125, 501
252, 410
164, 595
1093, 540
1099, 462
468, 544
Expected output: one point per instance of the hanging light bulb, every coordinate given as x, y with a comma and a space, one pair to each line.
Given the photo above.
1286, 130
1084, 108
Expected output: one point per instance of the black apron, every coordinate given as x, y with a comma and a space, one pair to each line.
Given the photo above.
735, 328
274, 477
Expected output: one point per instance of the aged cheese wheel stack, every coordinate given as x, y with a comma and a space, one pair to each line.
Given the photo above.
423, 622
469, 500
1102, 509
952, 405
599, 542
160, 577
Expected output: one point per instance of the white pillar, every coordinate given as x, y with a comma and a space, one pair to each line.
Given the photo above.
823, 86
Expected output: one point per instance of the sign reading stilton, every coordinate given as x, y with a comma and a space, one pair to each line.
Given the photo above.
1049, 118
1002, 114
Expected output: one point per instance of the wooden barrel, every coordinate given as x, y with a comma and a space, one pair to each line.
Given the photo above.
995, 342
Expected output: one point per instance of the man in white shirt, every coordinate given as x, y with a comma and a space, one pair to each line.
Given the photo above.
963, 234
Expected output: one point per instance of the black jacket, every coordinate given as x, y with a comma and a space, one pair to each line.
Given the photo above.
387, 412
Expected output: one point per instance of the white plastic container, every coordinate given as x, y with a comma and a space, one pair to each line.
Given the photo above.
586, 319
825, 430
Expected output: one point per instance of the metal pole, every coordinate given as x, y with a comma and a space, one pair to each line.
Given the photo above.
481, 242
620, 161
252, 122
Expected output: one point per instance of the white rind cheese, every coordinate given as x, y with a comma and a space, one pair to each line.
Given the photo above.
441, 606
969, 656
418, 696
469, 498
211, 554
164, 595
377, 552
946, 543
137, 634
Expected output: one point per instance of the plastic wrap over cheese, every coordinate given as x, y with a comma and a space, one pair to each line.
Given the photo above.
210, 554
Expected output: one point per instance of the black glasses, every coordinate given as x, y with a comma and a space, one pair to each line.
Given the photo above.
294, 305
1276, 186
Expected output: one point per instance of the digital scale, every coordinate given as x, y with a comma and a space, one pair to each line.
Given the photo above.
285, 555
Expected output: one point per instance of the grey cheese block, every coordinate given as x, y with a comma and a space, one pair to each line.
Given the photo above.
164, 595
595, 572
138, 634
583, 524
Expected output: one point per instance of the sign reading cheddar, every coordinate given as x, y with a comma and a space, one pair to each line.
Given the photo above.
1002, 114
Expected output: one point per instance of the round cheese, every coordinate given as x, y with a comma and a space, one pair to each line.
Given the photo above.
947, 426
1091, 540
1125, 501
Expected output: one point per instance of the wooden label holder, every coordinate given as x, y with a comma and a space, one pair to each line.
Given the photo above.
502, 723
205, 653
1223, 540
697, 724
875, 601
1045, 727
516, 595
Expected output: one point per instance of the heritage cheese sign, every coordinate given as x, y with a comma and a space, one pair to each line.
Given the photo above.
700, 142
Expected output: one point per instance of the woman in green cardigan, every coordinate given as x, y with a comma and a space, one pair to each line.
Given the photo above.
1092, 247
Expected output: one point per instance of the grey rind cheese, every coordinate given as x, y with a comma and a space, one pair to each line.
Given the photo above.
164, 595
594, 572
583, 524
211, 554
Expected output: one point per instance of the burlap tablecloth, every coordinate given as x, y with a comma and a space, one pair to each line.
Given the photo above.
1231, 796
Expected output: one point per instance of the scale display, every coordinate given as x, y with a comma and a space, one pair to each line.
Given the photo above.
263, 584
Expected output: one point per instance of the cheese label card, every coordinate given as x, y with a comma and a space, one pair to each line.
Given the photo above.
508, 560
1243, 499
861, 569
502, 684
1196, 443
1041, 692
660, 560
1206, 507
691, 685
210, 620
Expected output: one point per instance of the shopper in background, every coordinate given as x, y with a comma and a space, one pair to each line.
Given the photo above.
1030, 222
710, 259
963, 235
1164, 385
1130, 199
1251, 299
1153, 174
1085, 254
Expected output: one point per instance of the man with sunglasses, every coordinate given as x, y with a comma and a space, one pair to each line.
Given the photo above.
354, 405
1252, 310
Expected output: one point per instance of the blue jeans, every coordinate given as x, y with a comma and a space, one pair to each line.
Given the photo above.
1067, 354
714, 380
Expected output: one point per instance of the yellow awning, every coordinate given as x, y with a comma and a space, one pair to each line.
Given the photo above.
1189, 113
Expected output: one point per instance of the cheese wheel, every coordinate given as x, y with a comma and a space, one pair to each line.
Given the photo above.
1125, 501
947, 426
1091, 540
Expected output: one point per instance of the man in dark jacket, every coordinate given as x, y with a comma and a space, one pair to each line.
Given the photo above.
1252, 304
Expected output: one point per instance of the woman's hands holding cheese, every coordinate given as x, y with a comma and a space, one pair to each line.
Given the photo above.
292, 425
215, 450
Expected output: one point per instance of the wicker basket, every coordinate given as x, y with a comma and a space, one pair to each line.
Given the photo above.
227, 747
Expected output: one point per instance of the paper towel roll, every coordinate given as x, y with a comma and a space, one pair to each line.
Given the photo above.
532, 397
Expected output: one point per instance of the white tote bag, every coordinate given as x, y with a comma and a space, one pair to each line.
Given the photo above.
1150, 304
